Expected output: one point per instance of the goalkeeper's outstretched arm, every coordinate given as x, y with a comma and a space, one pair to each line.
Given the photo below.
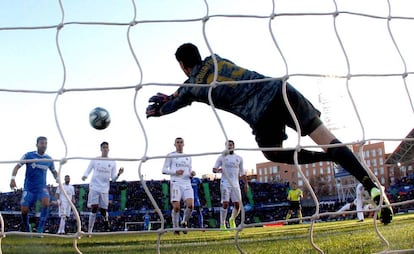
162, 104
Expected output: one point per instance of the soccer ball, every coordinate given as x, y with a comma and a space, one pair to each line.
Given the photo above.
99, 118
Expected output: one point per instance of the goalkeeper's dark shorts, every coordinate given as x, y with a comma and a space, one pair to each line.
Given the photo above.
270, 130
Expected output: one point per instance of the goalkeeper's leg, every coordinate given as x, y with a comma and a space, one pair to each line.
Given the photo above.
344, 156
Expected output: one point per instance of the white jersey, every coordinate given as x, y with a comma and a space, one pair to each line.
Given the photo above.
362, 196
232, 168
70, 191
172, 164
103, 172
359, 191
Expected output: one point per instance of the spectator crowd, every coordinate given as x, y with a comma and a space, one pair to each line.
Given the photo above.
129, 203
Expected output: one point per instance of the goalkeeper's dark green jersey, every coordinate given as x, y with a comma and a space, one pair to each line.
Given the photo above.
247, 99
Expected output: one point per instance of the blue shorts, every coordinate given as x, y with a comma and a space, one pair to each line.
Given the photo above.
29, 198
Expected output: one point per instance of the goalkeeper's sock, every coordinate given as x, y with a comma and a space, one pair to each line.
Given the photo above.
304, 156
346, 158
44, 212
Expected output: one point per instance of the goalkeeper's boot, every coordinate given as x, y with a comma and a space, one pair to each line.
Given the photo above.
386, 212
232, 223
223, 227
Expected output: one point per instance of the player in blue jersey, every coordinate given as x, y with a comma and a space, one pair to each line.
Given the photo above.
259, 101
35, 188
147, 221
195, 183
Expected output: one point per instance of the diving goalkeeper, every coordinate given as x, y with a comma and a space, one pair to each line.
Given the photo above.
260, 103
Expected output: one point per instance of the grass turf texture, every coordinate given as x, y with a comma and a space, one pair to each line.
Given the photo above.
332, 237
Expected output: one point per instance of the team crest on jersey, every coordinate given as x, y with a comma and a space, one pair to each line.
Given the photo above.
40, 166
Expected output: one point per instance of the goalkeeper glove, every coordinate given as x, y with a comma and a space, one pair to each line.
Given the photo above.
157, 101
153, 110
160, 99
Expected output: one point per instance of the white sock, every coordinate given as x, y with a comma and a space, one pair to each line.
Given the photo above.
92, 218
346, 207
175, 217
187, 214
223, 216
234, 213
62, 224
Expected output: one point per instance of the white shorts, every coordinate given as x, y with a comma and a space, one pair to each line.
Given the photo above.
98, 198
180, 191
228, 193
64, 209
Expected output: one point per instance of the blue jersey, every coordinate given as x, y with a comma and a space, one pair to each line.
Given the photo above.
147, 222
147, 218
35, 178
248, 100
195, 182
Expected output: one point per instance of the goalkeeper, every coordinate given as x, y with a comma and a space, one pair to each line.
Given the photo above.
260, 103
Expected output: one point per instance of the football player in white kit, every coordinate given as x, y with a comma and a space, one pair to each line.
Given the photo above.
103, 172
361, 203
231, 167
179, 168
64, 205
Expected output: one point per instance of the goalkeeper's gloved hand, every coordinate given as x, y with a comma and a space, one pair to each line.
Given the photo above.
157, 101
160, 98
153, 110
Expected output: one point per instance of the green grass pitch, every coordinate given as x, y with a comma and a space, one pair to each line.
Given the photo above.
331, 237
